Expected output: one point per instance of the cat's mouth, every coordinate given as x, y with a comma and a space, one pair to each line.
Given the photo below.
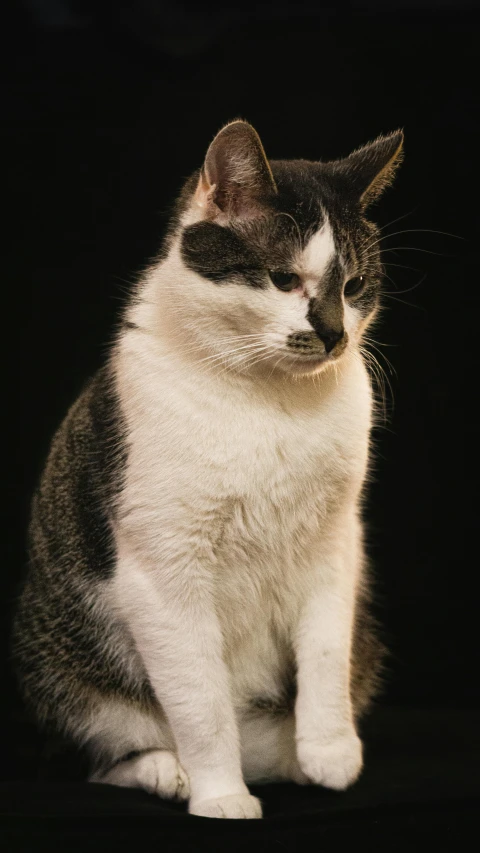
313, 361
309, 363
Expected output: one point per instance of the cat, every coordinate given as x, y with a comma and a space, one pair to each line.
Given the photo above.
196, 612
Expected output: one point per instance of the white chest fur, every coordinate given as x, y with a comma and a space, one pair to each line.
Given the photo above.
246, 484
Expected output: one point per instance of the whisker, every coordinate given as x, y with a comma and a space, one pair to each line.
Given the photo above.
192, 348
281, 358
409, 289
225, 353
335, 368
385, 275
379, 343
271, 350
380, 376
403, 301
251, 358
392, 222
416, 249
370, 343
411, 231
400, 266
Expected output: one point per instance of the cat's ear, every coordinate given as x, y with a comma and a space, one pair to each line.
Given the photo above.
236, 181
369, 170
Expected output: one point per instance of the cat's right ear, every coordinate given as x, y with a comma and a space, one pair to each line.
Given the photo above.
236, 181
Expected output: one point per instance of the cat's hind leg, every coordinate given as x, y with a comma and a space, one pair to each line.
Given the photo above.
133, 748
157, 772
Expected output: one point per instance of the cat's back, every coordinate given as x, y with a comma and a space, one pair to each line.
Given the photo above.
65, 641
74, 503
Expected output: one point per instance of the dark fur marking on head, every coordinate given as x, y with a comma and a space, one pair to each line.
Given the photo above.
218, 253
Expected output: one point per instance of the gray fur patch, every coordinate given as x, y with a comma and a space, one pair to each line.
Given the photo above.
66, 647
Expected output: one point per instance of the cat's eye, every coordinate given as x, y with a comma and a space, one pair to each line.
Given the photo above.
354, 286
284, 280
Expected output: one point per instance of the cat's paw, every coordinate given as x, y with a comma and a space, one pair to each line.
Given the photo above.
157, 772
335, 765
232, 806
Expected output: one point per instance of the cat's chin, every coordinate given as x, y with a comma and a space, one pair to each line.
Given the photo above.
308, 366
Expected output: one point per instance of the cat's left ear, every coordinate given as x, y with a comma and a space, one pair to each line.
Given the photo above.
236, 181
369, 170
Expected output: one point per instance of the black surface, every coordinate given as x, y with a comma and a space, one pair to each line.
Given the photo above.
420, 783
106, 108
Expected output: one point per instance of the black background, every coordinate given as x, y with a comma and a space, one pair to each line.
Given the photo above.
108, 107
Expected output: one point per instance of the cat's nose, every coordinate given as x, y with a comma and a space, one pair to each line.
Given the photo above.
330, 337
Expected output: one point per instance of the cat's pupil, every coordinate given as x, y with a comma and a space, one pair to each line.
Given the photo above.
354, 286
284, 280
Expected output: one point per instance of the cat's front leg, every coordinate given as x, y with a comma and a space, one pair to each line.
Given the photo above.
328, 748
177, 633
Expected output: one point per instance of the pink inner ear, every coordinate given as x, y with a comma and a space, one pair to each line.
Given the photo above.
203, 191
204, 198
237, 202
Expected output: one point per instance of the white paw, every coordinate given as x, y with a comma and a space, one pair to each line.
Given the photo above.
335, 765
232, 806
158, 772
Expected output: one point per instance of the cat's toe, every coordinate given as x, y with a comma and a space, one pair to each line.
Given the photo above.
166, 776
335, 765
233, 806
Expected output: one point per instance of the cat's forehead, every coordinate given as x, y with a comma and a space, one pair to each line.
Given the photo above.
318, 253
301, 233
305, 228
300, 194
327, 225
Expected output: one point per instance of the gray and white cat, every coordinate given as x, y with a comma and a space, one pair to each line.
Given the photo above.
196, 610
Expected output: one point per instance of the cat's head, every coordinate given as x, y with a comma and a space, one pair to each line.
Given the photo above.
282, 269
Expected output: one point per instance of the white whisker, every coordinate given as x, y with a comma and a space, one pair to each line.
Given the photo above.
409, 231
